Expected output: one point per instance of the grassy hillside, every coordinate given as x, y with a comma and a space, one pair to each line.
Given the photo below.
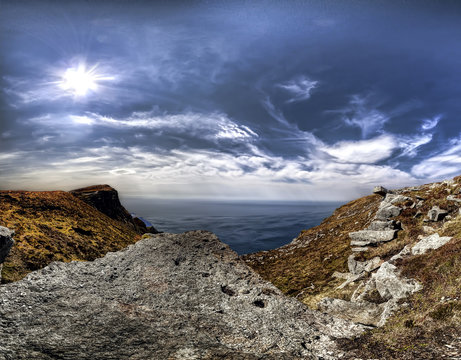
429, 325
53, 226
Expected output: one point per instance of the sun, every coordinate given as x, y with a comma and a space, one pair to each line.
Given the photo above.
81, 80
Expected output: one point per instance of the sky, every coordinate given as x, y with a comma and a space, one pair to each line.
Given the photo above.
255, 100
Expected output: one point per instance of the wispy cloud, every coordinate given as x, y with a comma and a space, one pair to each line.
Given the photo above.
410, 144
214, 126
429, 124
300, 88
361, 114
443, 164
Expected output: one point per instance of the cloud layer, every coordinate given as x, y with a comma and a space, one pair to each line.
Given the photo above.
288, 102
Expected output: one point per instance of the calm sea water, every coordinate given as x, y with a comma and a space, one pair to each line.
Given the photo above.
246, 227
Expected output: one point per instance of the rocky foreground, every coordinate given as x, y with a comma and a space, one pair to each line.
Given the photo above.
168, 296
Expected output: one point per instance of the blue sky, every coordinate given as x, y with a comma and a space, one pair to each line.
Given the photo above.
301, 100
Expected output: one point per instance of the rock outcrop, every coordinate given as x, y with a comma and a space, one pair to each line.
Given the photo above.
105, 199
168, 296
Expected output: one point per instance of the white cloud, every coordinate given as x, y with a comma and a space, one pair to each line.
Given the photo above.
360, 114
214, 126
410, 144
300, 88
429, 124
444, 164
363, 151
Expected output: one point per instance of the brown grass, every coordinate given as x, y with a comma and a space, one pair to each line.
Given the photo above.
56, 226
432, 317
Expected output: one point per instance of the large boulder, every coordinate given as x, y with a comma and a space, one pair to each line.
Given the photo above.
169, 296
390, 285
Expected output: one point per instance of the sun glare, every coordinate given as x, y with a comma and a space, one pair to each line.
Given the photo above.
80, 81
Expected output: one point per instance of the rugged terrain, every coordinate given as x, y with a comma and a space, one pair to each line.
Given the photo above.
392, 261
388, 264
168, 296
59, 226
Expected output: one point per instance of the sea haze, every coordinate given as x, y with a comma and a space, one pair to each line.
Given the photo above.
245, 226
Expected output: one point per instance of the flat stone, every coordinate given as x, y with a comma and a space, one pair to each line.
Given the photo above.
430, 242
369, 237
359, 249
380, 190
378, 225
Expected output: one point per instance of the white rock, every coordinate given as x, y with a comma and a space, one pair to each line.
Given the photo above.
430, 242
390, 285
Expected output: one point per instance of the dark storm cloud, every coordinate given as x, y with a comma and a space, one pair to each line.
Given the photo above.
286, 97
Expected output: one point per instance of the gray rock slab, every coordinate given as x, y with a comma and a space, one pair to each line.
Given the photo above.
369, 237
379, 225
169, 296
359, 249
386, 211
380, 190
390, 285
395, 198
430, 242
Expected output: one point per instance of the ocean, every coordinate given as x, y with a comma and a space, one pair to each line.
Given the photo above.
246, 227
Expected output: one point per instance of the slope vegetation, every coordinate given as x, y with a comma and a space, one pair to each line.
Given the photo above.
425, 322
57, 226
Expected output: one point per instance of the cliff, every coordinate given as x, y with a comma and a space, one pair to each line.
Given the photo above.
59, 226
390, 261
105, 199
185, 296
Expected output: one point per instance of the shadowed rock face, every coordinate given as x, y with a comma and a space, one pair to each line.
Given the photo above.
6, 242
185, 296
105, 199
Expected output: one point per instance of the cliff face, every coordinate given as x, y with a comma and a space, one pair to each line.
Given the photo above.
105, 199
57, 226
390, 260
168, 296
